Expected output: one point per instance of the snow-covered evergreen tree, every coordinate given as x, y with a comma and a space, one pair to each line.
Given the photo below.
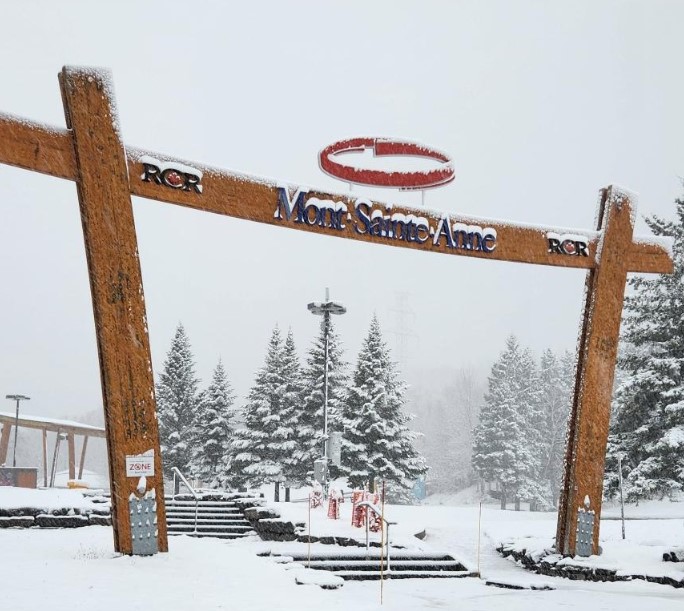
647, 428
177, 404
377, 443
291, 391
310, 434
556, 379
259, 450
214, 431
504, 441
532, 487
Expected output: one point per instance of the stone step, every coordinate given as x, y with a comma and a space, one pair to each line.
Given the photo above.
396, 565
212, 513
184, 496
220, 516
209, 528
205, 520
206, 514
203, 504
232, 515
202, 535
368, 576
213, 506
359, 564
347, 555
205, 524
234, 499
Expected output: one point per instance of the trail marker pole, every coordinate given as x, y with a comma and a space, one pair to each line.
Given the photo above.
622, 500
479, 531
308, 562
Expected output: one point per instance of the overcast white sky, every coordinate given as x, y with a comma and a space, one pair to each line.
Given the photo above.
539, 103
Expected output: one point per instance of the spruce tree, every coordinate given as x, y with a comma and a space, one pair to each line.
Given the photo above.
377, 443
177, 404
214, 431
555, 385
647, 427
532, 487
310, 434
503, 449
290, 391
259, 452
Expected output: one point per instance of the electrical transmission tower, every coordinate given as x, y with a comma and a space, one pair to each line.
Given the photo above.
403, 321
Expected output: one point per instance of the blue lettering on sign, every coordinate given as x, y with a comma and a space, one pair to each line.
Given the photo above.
465, 237
302, 208
285, 204
443, 230
311, 211
363, 215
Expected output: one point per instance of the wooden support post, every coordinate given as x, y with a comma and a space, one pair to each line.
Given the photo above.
55, 455
4, 442
83, 453
596, 360
116, 289
71, 443
45, 466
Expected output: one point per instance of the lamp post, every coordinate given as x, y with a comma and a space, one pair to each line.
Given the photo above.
16, 398
326, 309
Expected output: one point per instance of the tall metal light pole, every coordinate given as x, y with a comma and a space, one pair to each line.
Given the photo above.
325, 309
16, 398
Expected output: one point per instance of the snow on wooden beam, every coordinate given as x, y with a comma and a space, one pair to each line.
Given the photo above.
50, 150
52, 424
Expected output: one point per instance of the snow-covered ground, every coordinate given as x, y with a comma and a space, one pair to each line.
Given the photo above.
90, 479
67, 569
47, 500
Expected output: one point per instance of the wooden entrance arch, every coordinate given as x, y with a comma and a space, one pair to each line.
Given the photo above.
91, 153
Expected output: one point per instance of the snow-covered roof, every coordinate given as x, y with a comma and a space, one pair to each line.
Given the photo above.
53, 424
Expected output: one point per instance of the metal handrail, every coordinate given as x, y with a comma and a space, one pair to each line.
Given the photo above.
176, 471
378, 512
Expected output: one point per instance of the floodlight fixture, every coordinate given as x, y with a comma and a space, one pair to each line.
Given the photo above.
326, 309
16, 398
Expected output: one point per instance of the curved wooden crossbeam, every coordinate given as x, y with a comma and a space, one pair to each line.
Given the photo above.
50, 150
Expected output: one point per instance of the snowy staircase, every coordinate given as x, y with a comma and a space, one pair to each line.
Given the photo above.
362, 565
222, 518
